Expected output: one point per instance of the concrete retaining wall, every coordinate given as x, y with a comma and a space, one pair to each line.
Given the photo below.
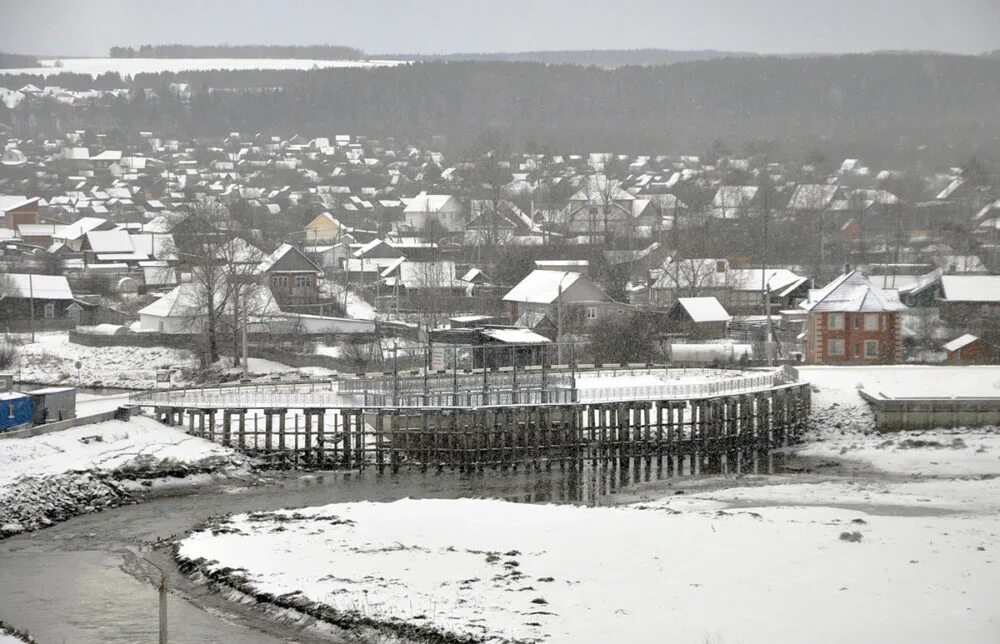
122, 413
895, 414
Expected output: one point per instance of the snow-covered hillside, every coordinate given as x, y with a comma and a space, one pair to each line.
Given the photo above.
132, 66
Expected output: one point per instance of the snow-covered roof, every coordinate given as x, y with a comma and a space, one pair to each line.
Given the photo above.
971, 288
704, 309
82, 226
269, 261
853, 292
541, 286
43, 287
598, 187
426, 203
515, 336
13, 202
959, 342
110, 241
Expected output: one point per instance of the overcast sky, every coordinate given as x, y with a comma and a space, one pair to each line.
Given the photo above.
71, 28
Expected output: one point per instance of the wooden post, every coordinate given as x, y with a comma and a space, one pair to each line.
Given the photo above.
227, 419
320, 437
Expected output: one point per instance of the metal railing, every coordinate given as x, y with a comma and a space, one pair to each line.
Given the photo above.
327, 394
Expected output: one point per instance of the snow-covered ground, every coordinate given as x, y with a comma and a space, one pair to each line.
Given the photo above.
53, 476
843, 426
770, 573
102, 446
132, 66
878, 558
839, 384
52, 357
356, 308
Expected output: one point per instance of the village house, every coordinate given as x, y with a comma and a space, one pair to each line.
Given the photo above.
853, 321
742, 291
567, 298
426, 210
291, 276
16, 210
970, 299
37, 301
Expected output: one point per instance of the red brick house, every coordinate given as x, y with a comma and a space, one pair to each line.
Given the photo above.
16, 210
852, 321
968, 349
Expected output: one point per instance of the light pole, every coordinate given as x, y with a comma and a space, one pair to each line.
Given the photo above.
559, 318
162, 589
769, 337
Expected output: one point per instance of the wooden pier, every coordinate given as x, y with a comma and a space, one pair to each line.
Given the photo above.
473, 437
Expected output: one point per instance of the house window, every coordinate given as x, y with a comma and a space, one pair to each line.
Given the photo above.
871, 348
871, 321
721, 266
50, 311
835, 347
857, 349
591, 312
302, 281
835, 322
279, 281
857, 321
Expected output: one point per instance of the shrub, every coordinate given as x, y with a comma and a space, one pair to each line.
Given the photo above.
8, 354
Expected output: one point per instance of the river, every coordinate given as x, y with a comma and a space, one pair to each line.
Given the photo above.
81, 581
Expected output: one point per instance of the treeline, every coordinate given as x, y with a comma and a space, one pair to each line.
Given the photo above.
886, 106
596, 57
15, 61
317, 52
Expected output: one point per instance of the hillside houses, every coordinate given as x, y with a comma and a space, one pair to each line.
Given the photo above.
348, 218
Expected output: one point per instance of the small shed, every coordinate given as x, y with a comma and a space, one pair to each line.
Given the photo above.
53, 403
968, 349
702, 317
15, 410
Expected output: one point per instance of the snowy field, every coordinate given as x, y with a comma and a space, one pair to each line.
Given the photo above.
840, 384
132, 66
770, 573
880, 558
52, 356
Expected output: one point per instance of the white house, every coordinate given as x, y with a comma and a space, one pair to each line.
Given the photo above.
182, 311
443, 209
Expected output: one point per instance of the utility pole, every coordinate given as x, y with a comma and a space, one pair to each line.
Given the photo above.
162, 592
162, 589
31, 302
246, 321
395, 372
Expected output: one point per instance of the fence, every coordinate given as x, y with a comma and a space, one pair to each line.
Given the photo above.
471, 438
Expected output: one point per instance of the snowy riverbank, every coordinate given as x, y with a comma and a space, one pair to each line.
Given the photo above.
906, 550
52, 477
747, 565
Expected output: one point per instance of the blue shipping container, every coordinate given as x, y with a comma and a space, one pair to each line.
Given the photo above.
15, 411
